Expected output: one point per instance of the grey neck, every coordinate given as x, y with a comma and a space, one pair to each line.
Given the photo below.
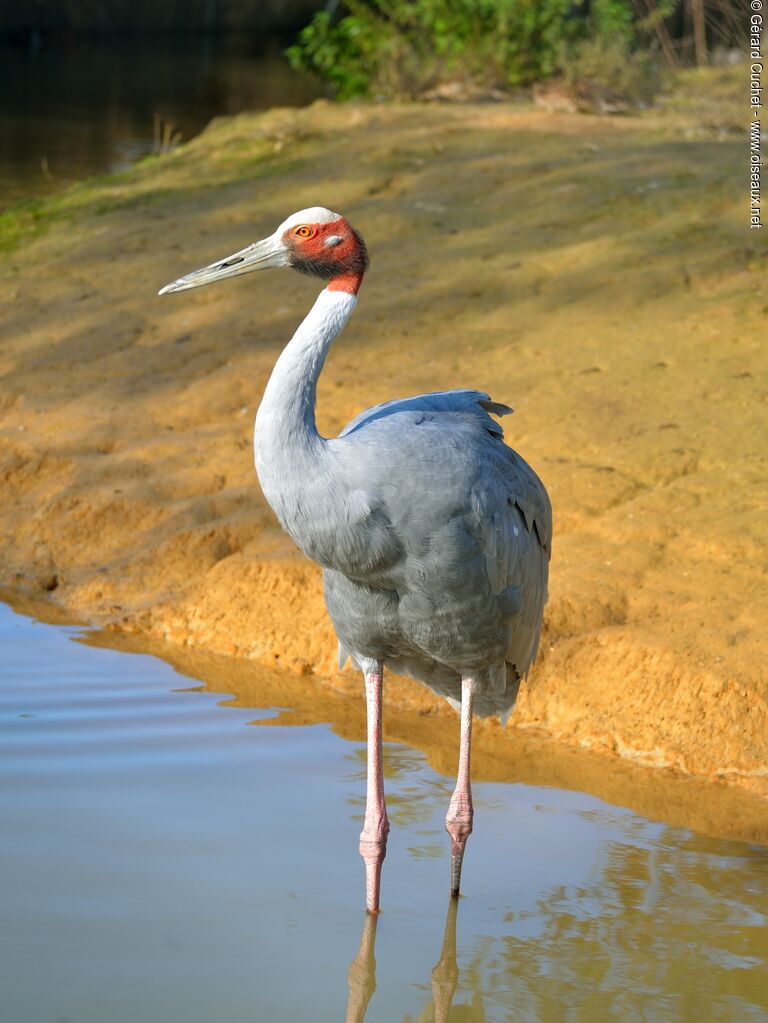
286, 440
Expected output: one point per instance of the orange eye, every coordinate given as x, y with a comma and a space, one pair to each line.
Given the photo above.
304, 231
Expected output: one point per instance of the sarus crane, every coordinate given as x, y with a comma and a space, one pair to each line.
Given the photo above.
433, 535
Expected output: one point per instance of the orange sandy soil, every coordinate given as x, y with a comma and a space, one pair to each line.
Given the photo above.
597, 274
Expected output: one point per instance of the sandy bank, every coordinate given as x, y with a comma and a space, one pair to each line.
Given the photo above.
596, 274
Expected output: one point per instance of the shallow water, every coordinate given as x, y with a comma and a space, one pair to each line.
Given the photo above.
161, 860
100, 104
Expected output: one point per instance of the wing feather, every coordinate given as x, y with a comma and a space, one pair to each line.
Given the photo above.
476, 402
515, 524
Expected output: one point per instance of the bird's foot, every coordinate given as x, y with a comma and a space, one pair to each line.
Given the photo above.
373, 849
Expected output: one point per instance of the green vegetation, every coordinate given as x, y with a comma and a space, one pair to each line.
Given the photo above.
404, 48
608, 75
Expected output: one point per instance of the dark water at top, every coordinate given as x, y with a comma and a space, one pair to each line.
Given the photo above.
160, 860
67, 112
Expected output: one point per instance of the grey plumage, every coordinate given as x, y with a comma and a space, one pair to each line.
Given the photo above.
443, 569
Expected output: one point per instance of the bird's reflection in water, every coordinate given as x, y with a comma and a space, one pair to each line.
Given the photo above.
362, 979
361, 976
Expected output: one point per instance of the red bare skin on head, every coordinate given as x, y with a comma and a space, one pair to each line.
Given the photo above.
315, 251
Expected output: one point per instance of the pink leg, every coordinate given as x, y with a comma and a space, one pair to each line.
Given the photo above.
373, 837
458, 821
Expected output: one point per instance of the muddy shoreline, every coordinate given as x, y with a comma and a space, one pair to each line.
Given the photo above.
595, 274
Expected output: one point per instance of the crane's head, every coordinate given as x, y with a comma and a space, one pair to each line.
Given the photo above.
314, 241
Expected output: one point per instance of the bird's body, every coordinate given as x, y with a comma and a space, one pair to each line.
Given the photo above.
434, 536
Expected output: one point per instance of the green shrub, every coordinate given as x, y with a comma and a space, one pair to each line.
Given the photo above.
605, 75
401, 48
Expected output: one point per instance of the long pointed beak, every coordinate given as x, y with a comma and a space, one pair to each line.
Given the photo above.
259, 256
